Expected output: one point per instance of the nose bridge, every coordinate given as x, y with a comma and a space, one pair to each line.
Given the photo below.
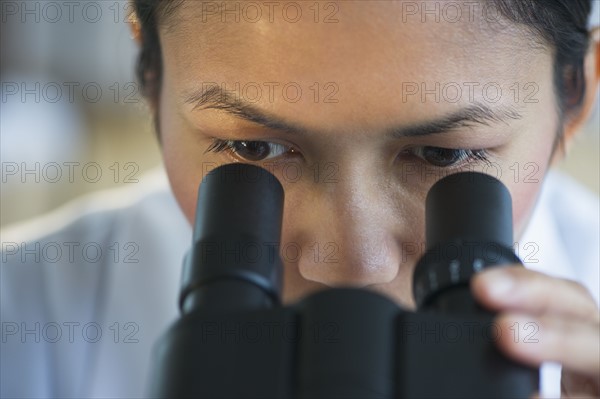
351, 240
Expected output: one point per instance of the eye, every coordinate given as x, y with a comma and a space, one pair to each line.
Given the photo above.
250, 150
447, 157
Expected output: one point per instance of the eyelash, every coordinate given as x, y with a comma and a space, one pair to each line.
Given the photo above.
465, 155
219, 145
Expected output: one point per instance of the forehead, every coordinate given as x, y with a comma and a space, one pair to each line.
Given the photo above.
351, 29
373, 50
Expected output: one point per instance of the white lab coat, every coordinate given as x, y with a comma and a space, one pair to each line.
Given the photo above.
99, 315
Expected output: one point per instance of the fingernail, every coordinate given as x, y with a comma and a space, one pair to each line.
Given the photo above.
499, 283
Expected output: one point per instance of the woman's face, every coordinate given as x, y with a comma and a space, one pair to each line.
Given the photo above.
361, 106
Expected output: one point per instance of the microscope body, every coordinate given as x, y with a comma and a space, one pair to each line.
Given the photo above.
235, 340
372, 350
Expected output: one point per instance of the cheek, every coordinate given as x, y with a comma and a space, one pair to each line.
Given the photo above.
524, 178
524, 200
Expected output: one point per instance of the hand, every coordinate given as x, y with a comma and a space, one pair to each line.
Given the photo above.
566, 329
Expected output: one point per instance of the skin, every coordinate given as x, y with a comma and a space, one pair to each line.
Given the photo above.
367, 218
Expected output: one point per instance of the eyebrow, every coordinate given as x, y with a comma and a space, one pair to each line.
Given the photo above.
215, 97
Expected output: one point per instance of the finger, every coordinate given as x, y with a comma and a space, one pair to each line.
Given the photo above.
527, 291
533, 340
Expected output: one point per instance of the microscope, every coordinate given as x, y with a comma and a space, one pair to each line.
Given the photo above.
234, 338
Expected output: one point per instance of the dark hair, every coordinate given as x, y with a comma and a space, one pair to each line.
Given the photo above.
562, 24
150, 14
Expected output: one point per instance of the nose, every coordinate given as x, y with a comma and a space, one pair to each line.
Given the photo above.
348, 236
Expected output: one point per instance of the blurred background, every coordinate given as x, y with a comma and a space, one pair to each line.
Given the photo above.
73, 120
